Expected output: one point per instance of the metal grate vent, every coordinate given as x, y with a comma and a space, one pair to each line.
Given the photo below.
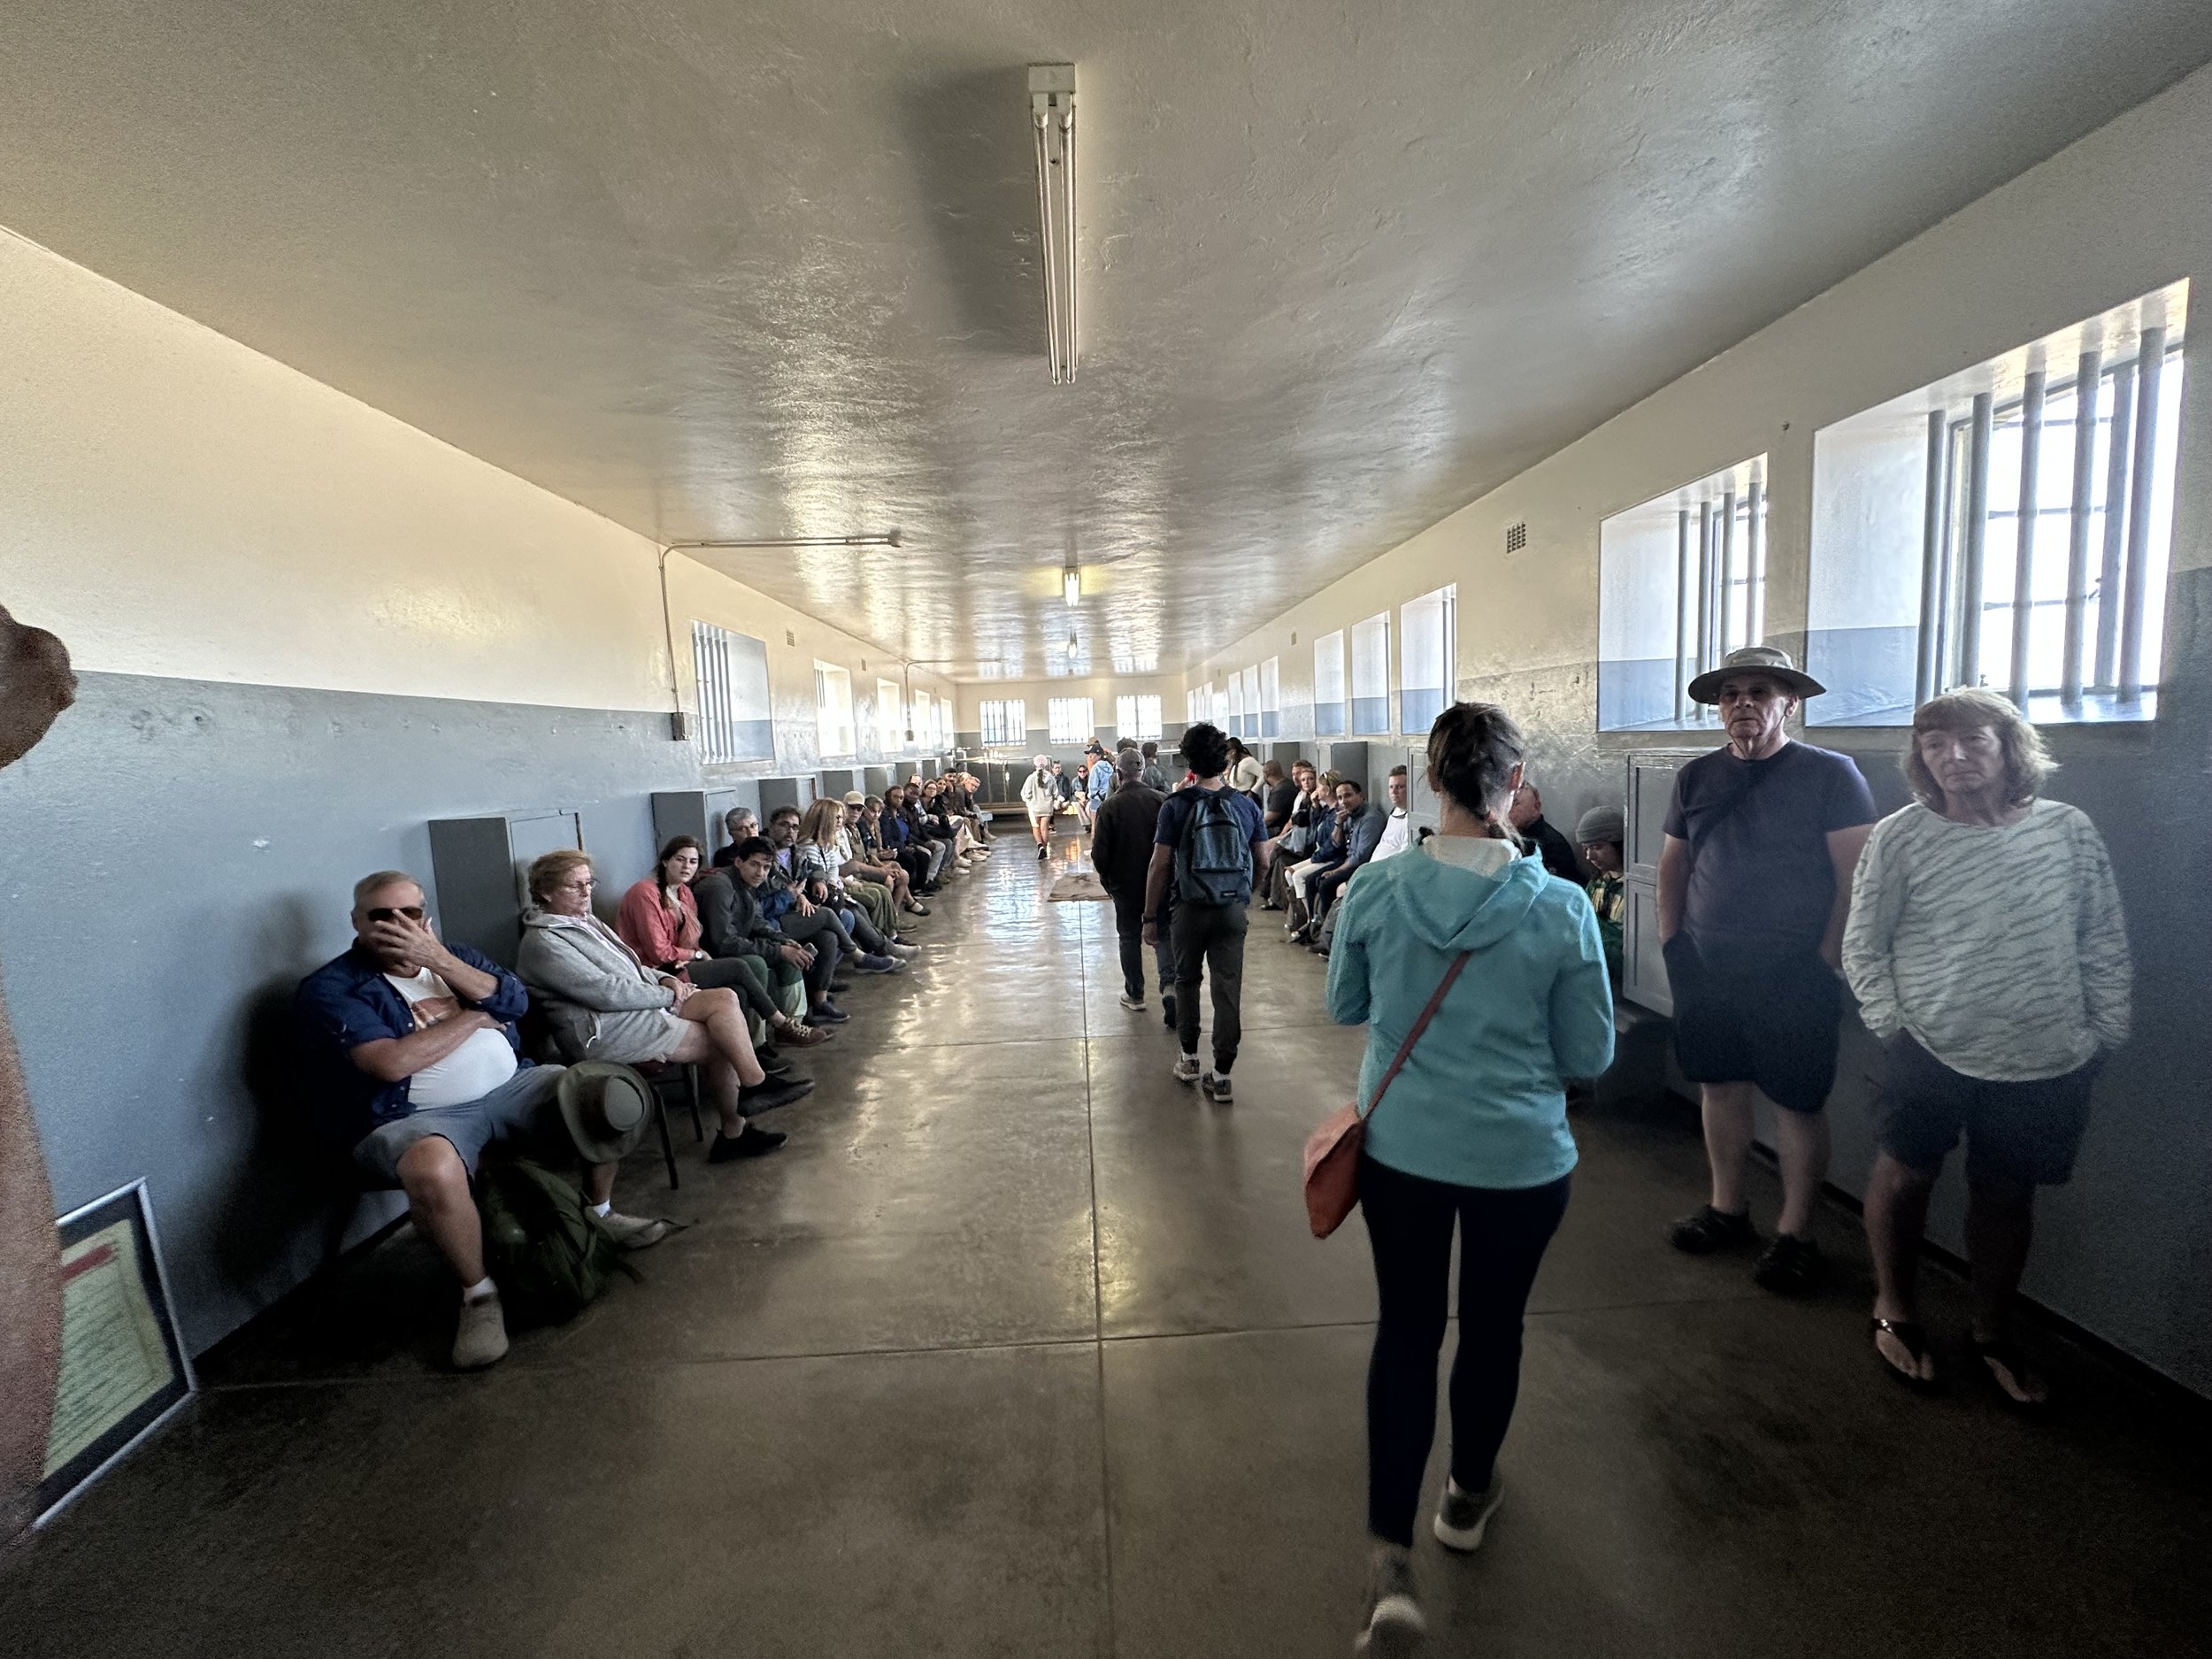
1515, 537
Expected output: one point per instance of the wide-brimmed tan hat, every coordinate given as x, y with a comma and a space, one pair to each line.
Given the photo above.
853, 797
1764, 659
606, 1108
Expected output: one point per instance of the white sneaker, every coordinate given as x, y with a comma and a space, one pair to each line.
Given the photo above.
904, 953
1134, 1004
1186, 1068
1394, 1625
632, 1232
480, 1339
1462, 1516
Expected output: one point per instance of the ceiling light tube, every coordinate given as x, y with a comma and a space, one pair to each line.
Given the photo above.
1052, 121
889, 538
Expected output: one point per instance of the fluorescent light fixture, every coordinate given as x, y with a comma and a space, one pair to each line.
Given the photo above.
1072, 585
1052, 118
888, 538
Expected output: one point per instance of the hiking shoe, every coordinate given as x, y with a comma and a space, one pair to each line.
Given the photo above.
1186, 1068
1710, 1230
765, 1097
878, 965
827, 1014
1215, 1086
1392, 1626
798, 1036
1134, 1004
480, 1338
751, 1144
1462, 1516
1167, 1011
632, 1232
1791, 1265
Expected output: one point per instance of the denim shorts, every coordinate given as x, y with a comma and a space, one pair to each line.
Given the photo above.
522, 1108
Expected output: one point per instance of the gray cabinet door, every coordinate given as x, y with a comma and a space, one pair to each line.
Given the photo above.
1647, 787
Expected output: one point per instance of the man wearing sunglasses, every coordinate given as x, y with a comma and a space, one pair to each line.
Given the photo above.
420, 1069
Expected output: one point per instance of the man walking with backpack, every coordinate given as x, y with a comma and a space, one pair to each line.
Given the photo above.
1208, 847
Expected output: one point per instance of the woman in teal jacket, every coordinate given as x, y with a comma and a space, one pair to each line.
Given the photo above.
1473, 1130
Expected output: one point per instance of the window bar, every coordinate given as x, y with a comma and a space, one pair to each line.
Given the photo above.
2088, 374
2150, 367
1929, 668
1977, 536
1682, 597
1704, 585
2031, 398
1725, 594
1754, 565
2116, 515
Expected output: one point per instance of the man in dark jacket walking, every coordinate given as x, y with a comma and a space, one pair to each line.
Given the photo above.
1121, 852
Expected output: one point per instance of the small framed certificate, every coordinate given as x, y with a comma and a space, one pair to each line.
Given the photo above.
124, 1371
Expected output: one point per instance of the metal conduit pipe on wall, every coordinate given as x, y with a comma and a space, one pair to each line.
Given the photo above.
1704, 585
2115, 514
1724, 594
1682, 599
1928, 669
2088, 372
2031, 398
1754, 566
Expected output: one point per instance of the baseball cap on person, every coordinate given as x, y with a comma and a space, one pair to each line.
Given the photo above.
1764, 659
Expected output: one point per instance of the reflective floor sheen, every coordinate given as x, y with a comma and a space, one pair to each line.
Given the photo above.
1020, 1348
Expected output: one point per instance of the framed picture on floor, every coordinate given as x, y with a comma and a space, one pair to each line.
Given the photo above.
124, 1371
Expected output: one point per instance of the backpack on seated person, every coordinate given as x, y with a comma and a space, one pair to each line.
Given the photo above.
1213, 857
540, 1246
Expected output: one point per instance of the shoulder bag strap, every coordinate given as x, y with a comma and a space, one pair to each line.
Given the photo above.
1405, 1048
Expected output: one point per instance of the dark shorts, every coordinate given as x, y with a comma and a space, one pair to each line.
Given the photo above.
2025, 1133
1771, 1023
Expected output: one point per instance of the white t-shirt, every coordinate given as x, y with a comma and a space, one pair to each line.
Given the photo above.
481, 1064
1396, 835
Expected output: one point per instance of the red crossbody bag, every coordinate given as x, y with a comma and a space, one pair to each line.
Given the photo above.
1332, 1150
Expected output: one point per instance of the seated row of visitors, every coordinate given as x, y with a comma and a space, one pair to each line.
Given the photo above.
418, 1045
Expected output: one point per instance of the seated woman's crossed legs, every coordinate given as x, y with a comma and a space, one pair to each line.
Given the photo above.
716, 1038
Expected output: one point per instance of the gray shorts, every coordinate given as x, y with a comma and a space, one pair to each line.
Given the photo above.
522, 1108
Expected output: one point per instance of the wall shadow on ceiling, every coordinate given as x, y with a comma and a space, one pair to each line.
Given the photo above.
969, 138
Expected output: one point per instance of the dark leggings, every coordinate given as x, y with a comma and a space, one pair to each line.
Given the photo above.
1502, 1235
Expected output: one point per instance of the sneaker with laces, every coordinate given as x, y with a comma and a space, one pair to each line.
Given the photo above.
632, 1232
1134, 1004
1708, 1230
1791, 1265
879, 964
1393, 1625
480, 1338
1186, 1068
1462, 1516
1215, 1086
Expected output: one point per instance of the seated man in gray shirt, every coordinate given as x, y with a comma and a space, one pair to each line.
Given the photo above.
1989, 953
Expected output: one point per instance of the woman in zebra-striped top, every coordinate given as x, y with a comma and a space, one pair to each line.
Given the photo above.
1989, 953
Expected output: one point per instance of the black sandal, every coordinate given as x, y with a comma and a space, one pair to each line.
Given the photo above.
2005, 1352
1915, 1343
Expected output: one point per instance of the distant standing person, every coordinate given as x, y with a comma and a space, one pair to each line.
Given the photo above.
1245, 772
1989, 953
1209, 847
1755, 881
1041, 798
1471, 1133
1155, 773
1121, 853
1098, 781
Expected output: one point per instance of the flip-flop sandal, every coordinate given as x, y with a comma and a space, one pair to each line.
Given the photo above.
2005, 1352
1915, 1343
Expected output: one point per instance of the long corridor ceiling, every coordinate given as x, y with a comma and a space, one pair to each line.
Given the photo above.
722, 268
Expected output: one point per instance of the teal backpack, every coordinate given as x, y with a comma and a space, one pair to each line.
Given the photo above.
539, 1245
1213, 857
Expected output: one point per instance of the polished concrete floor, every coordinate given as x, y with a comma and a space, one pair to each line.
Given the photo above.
1020, 1348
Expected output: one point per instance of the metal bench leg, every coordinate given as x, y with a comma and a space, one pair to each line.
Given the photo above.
691, 1083
668, 1143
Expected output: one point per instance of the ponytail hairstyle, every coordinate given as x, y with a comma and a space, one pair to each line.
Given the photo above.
1473, 749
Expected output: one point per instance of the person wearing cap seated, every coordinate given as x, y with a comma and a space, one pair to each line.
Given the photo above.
1531, 824
1602, 834
419, 1068
603, 1003
1754, 886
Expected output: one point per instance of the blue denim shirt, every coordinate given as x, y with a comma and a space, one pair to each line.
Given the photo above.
348, 1001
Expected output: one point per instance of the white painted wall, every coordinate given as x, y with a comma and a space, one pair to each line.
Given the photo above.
1037, 693
173, 504
2120, 213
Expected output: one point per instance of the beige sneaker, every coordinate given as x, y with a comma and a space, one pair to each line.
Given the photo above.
632, 1232
480, 1339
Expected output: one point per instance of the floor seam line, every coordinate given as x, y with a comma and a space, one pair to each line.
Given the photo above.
1098, 1293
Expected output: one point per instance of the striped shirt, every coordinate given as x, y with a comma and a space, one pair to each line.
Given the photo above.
2001, 947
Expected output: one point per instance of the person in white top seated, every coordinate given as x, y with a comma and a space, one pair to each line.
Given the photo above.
417, 1069
1989, 955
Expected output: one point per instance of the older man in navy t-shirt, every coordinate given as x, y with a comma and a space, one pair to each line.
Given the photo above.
1754, 881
